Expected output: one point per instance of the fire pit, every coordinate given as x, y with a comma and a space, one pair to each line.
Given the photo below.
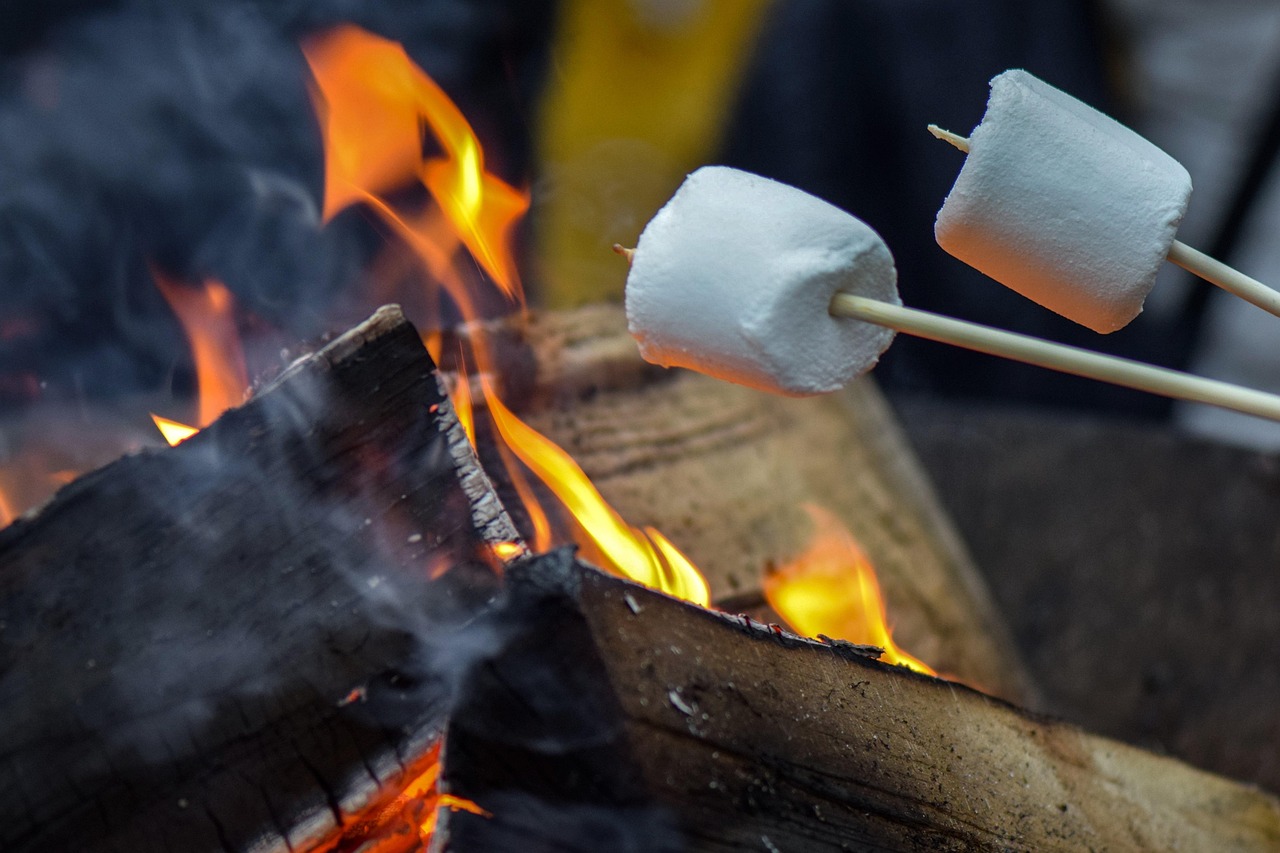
226, 666
344, 614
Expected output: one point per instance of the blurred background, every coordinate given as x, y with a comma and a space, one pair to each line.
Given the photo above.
140, 136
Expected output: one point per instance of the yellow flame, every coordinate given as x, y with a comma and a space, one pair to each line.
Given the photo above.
630, 552
542, 537
374, 104
538, 522
173, 431
207, 315
831, 589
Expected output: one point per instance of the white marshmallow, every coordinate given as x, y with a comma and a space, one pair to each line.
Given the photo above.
734, 277
1063, 204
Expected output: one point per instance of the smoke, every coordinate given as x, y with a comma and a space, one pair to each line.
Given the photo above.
253, 609
180, 134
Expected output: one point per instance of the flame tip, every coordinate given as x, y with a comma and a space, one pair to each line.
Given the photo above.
831, 590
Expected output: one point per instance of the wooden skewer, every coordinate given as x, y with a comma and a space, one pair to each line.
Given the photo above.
1047, 354
1228, 278
1054, 356
1192, 260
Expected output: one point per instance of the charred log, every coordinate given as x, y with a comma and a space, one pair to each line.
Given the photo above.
737, 736
233, 644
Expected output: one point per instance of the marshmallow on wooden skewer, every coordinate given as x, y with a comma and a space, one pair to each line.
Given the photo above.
734, 275
761, 284
1072, 209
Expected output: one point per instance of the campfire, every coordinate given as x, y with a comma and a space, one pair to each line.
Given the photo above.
470, 577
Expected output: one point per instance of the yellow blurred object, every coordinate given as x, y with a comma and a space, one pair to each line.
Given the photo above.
638, 93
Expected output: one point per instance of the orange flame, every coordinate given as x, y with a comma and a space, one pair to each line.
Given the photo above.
7, 512
643, 555
373, 103
831, 589
207, 315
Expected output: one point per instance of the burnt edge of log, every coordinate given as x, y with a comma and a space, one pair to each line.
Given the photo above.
714, 733
234, 644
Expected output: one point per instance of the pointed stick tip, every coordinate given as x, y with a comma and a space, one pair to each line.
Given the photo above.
955, 139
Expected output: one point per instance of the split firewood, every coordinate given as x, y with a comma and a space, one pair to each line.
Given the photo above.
231, 644
724, 470
618, 718
236, 644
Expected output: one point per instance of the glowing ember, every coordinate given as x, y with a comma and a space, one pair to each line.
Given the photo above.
831, 589
415, 809
207, 315
507, 551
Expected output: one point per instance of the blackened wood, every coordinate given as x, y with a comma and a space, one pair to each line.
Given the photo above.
539, 739
752, 739
228, 645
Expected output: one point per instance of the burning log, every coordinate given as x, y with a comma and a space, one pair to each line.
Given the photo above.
618, 718
724, 471
232, 644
